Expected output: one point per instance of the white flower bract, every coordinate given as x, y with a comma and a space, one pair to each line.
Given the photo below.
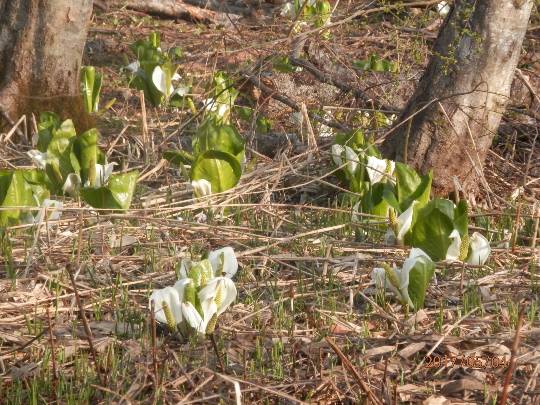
479, 249
229, 267
169, 296
201, 188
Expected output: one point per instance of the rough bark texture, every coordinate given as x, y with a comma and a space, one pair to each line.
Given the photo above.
41, 46
463, 92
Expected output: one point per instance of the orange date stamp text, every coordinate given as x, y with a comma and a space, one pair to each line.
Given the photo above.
470, 361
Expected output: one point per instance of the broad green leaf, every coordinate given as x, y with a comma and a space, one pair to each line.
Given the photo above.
15, 192
212, 135
373, 201
221, 169
65, 130
63, 159
48, 122
411, 186
431, 229
39, 183
116, 195
419, 279
389, 195
87, 150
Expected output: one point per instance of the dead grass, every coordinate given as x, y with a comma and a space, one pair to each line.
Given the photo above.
304, 282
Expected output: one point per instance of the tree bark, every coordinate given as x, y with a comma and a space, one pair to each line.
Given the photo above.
41, 47
459, 101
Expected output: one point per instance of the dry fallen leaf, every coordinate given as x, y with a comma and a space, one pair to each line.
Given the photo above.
411, 349
436, 400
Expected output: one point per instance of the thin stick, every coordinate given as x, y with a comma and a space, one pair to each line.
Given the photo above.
144, 122
513, 353
347, 363
87, 330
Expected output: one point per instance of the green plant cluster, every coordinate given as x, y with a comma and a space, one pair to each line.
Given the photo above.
73, 164
156, 73
434, 228
218, 149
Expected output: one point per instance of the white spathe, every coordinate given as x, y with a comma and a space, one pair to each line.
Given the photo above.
72, 184
169, 296
180, 287
443, 8
454, 249
160, 81
50, 207
219, 108
201, 188
381, 280
193, 318
377, 169
39, 158
479, 249
133, 67
288, 10
352, 160
404, 222
337, 151
103, 172
401, 291
221, 291
230, 263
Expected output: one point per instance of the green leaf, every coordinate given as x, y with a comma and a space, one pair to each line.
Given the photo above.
87, 150
116, 195
374, 202
221, 169
65, 130
39, 183
15, 192
282, 64
376, 64
419, 278
63, 160
212, 135
48, 121
91, 87
410, 186
432, 227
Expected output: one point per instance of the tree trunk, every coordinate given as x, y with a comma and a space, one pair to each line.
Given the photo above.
458, 104
41, 47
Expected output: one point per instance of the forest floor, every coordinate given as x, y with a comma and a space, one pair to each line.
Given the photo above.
306, 326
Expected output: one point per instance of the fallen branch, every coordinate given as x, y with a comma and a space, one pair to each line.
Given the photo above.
177, 9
